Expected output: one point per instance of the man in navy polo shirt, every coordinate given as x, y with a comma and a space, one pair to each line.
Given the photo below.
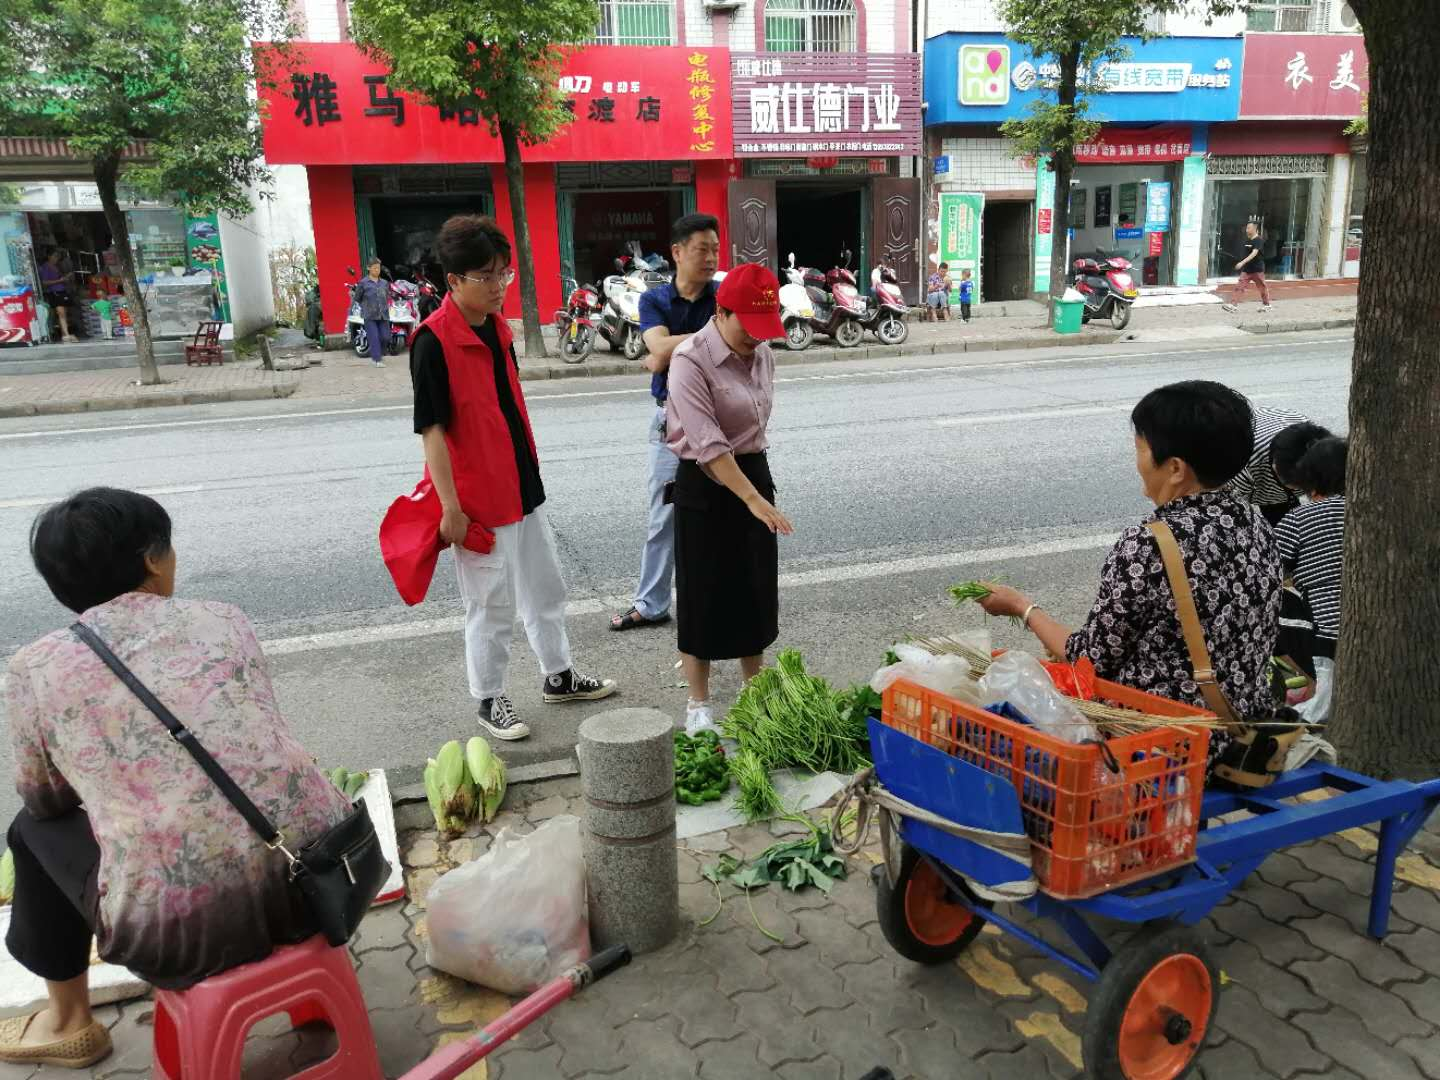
668, 315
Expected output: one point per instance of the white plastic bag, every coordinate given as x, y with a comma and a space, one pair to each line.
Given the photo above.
1316, 709
1018, 678
946, 674
516, 917
1071, 293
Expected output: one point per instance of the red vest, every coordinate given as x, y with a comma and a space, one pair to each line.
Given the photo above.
482, 457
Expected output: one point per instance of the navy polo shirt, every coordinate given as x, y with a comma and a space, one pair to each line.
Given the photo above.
664, 306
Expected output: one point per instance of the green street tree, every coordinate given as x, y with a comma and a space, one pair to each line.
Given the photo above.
177, 75
502, 59
1078, 39
1387, 705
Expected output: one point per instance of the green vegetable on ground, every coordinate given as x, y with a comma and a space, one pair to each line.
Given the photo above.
758, 798
348, 782
487, 772
702, 773
793, 864
7, 877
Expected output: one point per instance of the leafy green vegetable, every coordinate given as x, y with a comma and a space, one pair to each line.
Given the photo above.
701, 772
968, 591
793, 864
758, 798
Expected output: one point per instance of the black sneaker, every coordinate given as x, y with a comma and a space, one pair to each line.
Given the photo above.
572, 686
497, 716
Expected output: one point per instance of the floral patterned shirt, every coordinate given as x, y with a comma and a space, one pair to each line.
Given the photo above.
186, 887
1133, 635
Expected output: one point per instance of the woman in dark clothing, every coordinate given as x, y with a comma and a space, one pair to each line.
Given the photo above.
373, 296
1191, 439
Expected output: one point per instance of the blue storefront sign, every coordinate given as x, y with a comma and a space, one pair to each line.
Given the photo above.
984, 78
1157, 206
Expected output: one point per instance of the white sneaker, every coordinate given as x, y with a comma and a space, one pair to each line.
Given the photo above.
698, 717
1227, 307
1267, 307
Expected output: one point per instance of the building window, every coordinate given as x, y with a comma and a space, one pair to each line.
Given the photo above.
636, 22
810, 26
1292, 15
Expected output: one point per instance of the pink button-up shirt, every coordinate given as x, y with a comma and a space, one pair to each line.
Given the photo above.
718, 402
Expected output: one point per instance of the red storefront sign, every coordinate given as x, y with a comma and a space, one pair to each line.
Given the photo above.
1304, 76
1135, 146
332, 106
1157, 243
826, 104
1044, 222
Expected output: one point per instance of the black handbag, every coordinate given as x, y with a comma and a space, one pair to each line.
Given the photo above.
337, 875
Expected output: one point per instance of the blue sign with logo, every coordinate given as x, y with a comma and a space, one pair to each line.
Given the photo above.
1129, 234
942, 165
985, 78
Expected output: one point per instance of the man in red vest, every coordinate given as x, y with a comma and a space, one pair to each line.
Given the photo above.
480, 456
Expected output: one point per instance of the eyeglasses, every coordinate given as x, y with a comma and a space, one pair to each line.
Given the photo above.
504, 277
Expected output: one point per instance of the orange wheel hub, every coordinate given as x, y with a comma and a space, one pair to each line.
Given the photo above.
933, 918
1164, 1023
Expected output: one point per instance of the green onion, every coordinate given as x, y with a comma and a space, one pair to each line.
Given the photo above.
969, 591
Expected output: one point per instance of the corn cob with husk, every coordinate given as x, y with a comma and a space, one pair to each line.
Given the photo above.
487, 772
7, 876
452, 794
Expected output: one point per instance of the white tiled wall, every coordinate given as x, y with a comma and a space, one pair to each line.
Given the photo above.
881, 17
697, 24
322, 20
984, 165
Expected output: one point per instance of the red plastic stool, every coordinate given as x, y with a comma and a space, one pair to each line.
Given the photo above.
200, 1032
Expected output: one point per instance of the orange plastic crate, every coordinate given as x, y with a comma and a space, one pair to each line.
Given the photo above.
1090, 829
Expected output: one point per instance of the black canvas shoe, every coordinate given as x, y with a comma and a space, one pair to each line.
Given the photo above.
497, 716
572, 686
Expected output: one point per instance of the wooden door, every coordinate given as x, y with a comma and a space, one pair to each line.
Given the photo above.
895, 232
752, 222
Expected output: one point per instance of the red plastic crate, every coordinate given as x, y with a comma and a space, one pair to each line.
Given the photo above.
1090, 829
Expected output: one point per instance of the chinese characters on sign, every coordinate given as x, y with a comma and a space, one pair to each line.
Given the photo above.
316, 98
702, 94
1297, 72
1109, 147
826, 104
1345, 73
1303, 76
1129, 77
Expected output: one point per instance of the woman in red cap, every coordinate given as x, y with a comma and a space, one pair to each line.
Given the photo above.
722, 386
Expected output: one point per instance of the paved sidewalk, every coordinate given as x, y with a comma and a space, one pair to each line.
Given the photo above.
340, 375
1306, 993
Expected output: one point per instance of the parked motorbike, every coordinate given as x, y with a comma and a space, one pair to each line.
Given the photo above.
796, 310
578, 321
1107, 286
620, 320
837, 303
428, 302
403, 317
885, 308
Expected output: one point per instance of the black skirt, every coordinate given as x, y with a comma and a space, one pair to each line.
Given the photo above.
727, 588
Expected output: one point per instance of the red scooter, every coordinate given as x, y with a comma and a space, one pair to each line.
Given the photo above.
839, 311
578, 322
1105, 282
885, 308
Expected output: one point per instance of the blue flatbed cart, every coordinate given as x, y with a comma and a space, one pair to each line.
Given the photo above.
1155, 997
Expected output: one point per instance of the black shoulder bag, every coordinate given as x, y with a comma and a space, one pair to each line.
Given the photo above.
337, 875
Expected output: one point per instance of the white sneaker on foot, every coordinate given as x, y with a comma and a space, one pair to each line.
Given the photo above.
1227, 307
1267, 307
698, 717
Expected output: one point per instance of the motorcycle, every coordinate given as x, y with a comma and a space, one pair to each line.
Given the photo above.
796, 309
403, 317
1107, 286
577, 322
428, 302
620, 320
885, 308
837, 303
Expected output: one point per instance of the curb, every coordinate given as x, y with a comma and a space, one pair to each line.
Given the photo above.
150, 401
1298, 326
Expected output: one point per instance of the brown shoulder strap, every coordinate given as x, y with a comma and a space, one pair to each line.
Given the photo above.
1190, 622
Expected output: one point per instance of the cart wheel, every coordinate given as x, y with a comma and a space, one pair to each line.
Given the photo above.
917, 915
1153, 1007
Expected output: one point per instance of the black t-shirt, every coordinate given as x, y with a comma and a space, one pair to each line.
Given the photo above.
431, 379
1257, 264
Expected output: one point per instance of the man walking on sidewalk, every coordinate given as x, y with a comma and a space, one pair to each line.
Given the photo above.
1254, 259
669, 315
480, 456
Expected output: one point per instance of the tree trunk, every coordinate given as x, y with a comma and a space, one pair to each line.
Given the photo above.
1387, 705
515, 181
1062, 160
107, 171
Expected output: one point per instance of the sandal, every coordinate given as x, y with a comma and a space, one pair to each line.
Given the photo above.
78, 1051
633, 620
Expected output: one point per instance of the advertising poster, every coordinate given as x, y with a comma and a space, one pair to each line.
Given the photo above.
960, 216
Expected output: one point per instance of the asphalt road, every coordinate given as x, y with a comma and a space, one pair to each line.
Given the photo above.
901, 477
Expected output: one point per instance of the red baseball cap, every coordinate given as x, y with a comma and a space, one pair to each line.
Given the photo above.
752, 292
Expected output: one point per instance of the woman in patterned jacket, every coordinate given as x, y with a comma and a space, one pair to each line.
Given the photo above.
1191, 440
122, 836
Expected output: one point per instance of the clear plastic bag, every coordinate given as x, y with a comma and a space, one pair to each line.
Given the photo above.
945, 674
516, 917
1017, 677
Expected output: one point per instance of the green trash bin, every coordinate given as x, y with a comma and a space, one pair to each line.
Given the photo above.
1067, 316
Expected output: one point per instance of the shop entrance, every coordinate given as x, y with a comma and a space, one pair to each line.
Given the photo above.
1107, 212
1287, 211
819, 220
1005, 251
405, 230
606, 223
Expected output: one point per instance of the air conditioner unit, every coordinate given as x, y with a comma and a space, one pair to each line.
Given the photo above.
723, 5
1343, 19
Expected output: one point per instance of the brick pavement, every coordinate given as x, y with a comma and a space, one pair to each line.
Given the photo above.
1306, 994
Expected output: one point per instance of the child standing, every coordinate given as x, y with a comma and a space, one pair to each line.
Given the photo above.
967, 293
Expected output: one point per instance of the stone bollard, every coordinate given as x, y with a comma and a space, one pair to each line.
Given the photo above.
627, 770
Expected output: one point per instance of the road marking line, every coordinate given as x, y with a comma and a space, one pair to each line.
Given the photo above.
1062, 411
19, 504
535, 395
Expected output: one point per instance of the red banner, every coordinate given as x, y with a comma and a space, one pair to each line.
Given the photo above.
332, 106
1135, 146
1304, 76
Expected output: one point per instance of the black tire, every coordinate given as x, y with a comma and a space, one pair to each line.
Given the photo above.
574, 351
892, 330
1168, 973
913, 896
1119, 315
798, 335
395, 344
634, 345
362, 342
849, 333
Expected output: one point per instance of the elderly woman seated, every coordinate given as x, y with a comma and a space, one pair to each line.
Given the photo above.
1191, 439
122, 836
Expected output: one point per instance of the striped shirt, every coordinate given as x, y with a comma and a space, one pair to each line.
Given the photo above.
1312, 543
1257, 482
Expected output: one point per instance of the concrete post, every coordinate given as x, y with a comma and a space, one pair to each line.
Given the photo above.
627, 771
